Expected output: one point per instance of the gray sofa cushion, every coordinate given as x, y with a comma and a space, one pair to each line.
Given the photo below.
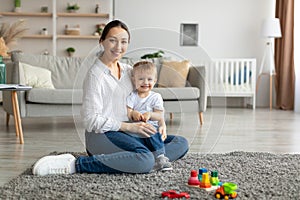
69, 96
64, 70
186, 93
56, 96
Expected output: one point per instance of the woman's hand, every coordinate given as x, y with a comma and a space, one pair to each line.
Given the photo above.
141, 128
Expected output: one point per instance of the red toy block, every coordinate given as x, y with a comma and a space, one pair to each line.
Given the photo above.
193, 180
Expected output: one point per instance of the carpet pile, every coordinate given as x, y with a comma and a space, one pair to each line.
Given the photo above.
258, 176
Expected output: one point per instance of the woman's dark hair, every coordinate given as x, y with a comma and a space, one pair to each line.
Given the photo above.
112, 24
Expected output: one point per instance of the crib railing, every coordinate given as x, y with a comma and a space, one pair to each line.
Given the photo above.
234, 77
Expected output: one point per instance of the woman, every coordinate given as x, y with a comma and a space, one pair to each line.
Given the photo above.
111, 147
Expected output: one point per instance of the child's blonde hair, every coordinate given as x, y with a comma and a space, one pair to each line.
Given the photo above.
144, 66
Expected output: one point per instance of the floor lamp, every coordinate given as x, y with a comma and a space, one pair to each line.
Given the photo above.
270, 29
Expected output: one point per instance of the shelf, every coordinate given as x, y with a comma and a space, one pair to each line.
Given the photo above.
38, 36
77, 37
26, 14
55, 21
102, 15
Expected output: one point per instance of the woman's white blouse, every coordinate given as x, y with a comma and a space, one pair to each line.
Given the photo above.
104, 98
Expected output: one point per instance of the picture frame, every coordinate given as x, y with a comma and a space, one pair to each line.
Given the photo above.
189, 34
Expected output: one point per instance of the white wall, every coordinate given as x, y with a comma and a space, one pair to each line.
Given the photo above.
228, 28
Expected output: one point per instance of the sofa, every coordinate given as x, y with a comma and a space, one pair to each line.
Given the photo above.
57, 86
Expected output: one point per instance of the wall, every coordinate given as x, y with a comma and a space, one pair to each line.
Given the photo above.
227, 29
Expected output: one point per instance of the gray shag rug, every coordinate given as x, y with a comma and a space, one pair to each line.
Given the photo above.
258, 176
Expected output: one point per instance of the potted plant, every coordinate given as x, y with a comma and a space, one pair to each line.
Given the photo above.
72, 7
157, 54
17, 5
71, 51
12, 32
99, 28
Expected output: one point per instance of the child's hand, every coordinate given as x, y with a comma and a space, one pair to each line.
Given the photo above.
136, 116
146, 116
163, 131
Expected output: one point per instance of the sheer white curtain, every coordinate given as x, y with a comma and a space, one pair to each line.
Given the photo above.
296, 54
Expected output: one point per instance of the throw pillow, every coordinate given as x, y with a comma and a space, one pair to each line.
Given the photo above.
173, 73
37, 77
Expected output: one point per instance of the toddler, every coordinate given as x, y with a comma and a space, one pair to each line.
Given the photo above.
145, 105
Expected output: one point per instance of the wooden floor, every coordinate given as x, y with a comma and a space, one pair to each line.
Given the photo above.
224, 130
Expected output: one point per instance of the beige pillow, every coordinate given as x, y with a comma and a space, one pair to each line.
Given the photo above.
173, 73
37, 77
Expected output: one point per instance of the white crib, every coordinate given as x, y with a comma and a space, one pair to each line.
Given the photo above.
234, 77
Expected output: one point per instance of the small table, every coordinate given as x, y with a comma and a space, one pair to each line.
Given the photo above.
15, 104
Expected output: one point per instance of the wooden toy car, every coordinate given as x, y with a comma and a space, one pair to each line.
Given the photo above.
171, 194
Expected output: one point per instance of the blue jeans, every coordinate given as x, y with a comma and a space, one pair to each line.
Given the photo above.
118, 152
